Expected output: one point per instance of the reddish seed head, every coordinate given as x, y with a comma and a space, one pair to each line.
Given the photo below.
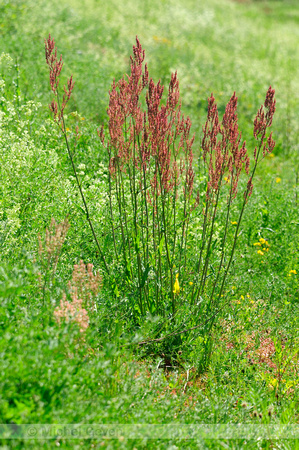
55, 67
271, 143
154, 138
262, 120
226, 154
269, 104
101, 134
145, 77
173, 92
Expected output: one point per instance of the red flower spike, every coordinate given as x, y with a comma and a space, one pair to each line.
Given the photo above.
226, 154
156, 136
262, 121
55, 67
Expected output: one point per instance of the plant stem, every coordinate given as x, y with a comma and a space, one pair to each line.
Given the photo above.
82, 195
240, 218
223, 242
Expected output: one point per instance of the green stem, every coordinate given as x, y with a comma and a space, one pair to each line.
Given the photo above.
111, 212
170, 268
82, 195
224, 241
195, 290
240, 218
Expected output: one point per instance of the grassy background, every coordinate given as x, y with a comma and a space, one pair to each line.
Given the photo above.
217, 46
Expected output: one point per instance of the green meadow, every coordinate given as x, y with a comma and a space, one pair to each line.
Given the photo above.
142, 281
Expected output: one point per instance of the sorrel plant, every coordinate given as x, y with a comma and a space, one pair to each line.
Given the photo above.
162, 221
49, 250
83, 289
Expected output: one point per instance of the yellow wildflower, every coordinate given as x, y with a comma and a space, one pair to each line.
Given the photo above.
258, 243
278, 180
166, 41
176, 286
234, 223
262, 240
191, 283
162, 39
293, 271
242, 297
260, 252
273, 382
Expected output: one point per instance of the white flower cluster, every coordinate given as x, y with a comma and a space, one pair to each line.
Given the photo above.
30, 179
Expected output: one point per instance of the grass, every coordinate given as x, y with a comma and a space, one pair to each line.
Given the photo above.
49, 373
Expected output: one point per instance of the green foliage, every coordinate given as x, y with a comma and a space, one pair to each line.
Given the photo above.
53, 373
